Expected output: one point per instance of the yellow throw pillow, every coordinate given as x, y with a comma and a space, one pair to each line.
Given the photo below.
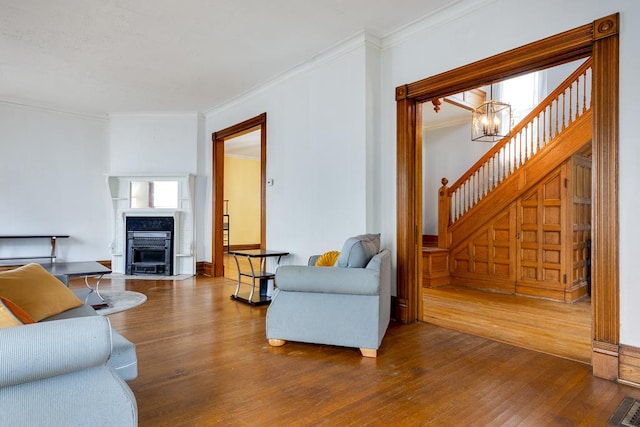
36, 291
12, 315
327, 259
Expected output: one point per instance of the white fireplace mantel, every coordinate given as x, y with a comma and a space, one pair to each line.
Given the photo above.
184, 257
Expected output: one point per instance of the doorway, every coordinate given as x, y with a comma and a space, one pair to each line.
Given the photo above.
222, 208
599, 39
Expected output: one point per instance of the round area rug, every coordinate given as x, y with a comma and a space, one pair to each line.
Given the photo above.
120, 301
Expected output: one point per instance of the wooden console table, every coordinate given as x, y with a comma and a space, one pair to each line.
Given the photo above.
52, 239
255, 274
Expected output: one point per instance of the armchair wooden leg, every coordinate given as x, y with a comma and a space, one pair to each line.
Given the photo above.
274, 342
369, 352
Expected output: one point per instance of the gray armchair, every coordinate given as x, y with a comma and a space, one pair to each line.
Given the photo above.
56, 374
347, 305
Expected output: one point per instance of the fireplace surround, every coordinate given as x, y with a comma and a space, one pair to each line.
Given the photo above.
179, 221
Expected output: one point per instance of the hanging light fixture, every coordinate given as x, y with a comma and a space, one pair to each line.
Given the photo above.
491, 120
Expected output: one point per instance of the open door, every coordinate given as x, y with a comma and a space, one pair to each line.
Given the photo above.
218, 200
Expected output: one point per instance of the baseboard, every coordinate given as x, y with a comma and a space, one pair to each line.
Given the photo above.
204, 268
605, 360
399, 309
244, 247
629, 365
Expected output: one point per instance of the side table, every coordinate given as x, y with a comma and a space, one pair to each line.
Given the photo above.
255, 273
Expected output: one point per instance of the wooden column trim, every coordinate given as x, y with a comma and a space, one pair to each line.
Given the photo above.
409, 221
605, 273
217, 196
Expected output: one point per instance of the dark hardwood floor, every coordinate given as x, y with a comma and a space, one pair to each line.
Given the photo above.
204, 360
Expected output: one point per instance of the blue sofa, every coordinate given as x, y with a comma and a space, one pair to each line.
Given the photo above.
57, 373
345, 305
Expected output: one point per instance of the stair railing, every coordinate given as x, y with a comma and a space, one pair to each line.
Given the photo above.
569, 101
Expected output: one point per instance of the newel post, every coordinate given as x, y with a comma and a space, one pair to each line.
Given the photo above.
444, 201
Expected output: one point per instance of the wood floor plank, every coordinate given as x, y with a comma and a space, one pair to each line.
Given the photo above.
204, 360
548, 326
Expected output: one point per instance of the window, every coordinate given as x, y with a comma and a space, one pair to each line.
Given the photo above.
154, 194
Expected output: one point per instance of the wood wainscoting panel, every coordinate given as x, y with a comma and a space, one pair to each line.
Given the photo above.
485, 260
542, 238
435, 267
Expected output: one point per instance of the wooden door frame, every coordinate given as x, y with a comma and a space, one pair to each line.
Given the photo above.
599, 39
217, 184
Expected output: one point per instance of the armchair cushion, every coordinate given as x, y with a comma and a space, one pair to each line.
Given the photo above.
352, 281
357, 251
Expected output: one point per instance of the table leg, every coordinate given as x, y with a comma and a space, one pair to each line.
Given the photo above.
96, 289
253, 281
235, 257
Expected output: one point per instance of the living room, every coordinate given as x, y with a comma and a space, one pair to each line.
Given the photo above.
330, 147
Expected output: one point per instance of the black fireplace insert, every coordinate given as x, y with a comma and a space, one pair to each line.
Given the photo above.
149, 246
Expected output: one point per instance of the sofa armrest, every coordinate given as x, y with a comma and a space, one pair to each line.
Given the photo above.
43, 350
333, 280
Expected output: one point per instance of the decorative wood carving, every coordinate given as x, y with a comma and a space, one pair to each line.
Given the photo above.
436, 104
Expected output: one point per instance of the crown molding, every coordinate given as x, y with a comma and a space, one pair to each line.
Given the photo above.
446, 14
53, 110
154, 114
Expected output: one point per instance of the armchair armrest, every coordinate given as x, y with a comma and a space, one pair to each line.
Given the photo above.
353, 281
44, 350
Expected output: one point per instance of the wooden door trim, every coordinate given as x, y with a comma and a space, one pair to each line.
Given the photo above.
217, 184
599, 39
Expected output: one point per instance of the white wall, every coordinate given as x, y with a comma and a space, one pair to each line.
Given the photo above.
53, 180
439, 44
316, 152
154, 143
447, 153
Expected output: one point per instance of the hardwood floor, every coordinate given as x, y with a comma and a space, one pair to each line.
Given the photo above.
551, 327
204, 360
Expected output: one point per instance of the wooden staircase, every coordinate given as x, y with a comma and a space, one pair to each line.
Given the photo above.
518, 221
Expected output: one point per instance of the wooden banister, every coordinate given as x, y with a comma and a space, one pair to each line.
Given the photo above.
555, 113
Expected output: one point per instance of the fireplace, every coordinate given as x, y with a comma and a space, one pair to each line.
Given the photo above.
149, 245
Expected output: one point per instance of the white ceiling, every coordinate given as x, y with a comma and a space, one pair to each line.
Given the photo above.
101, 56
246, 146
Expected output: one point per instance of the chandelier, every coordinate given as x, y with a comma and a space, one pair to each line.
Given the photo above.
491, 121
